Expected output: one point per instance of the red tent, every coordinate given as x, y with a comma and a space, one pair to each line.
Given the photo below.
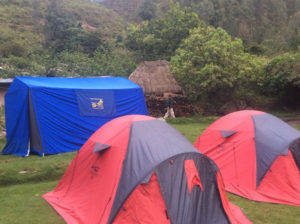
136, 169
257, 154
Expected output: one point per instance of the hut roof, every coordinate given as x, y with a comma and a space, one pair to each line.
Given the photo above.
155, 78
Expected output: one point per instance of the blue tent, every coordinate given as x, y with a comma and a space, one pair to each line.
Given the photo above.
54, 115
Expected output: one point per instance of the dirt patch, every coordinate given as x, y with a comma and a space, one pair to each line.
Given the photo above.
87, 26
28, 171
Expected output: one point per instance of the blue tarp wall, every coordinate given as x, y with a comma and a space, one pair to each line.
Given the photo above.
67, 110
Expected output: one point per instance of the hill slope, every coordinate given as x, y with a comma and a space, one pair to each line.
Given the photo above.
22, 22
273, 23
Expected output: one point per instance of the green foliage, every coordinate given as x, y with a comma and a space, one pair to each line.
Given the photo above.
270, 23
159, 38
71, 64
211, 66
94, 17
13, 66
34, 32
282, 72
115, 62
82, 38
293, 32
282, 77
62, 31
19, 62
108, 61
15, 48
148, 10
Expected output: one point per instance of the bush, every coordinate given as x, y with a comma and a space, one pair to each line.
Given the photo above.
281, 73
13, 48
19, 63
281, 77
212, 67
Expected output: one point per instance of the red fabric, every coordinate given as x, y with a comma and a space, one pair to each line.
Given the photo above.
281, 184
235, 156
236, 159
192, 175
234, 213
145, 205
86, 192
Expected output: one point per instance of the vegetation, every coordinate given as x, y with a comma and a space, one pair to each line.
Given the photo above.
43, 43
25, 180
212, 67
220, 51
159, 38
282, 78
265, 26
261, 24
148, 10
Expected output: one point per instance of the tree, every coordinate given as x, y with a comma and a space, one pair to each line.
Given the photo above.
107, 61
159, 38
148, 10
114, 62
15, 48
211, 66
63, 33
91, 41
282, 78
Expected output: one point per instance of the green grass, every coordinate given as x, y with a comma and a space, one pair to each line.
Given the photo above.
263, 213
18, 170
20, 192
22, 203
191, 127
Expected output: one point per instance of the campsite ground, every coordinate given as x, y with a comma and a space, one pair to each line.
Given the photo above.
24, 180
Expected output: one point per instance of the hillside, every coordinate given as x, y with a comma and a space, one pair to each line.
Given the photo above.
268, 22
130, 9
22, 23
110, 37
273, 24
266, 26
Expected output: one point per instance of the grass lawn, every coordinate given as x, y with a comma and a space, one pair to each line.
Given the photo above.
24, 180
22, 203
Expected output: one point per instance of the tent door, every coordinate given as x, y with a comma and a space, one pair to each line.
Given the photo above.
295, 150
34, 133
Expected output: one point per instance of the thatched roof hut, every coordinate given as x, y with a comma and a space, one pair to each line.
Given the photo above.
155, 78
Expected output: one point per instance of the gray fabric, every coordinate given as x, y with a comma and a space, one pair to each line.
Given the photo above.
146, 179
150, 143
34, 133
199, 206
100, 147
272, 138
295, 150
227, 134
